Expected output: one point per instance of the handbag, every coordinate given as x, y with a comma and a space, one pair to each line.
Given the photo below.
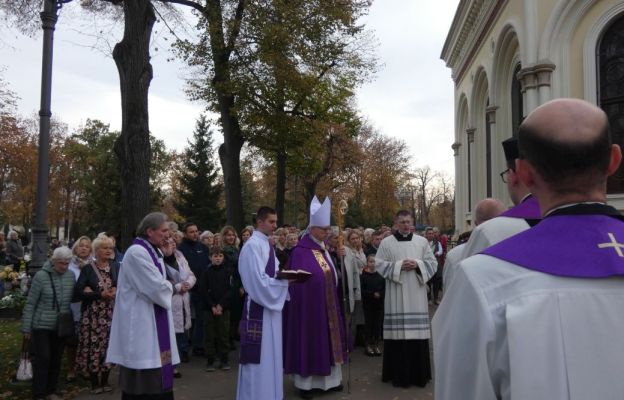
24, 370
65, 320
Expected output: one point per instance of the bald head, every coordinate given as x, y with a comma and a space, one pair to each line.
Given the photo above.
487, 209
568, 143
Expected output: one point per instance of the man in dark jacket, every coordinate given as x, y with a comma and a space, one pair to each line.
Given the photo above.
198, 257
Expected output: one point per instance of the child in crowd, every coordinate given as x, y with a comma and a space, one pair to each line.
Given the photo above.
373, 287
215, 289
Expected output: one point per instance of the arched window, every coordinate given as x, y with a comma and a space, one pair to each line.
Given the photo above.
610, 58
517, 106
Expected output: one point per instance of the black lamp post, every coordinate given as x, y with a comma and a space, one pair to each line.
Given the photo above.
40, 244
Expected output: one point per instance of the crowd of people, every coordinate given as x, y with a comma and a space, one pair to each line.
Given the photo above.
531, 305
207, 296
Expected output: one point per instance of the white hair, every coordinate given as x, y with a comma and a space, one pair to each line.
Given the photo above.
153, 220
13, 235
61, 253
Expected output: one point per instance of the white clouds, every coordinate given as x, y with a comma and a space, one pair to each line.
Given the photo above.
412, 97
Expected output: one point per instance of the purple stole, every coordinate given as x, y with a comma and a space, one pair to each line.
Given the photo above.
162, 324
250, 327
527, 209
582, 241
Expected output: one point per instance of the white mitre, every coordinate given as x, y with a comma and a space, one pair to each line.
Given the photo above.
320, 214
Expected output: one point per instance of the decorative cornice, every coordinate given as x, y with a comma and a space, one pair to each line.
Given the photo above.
536, 76
470, 132
490, 112
455, 146
473, 20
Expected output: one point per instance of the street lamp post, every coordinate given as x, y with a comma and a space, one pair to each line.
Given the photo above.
40, 245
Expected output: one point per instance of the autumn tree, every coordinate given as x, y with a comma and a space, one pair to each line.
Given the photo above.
199, 186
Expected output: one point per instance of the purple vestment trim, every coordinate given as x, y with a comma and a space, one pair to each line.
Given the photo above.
581, 246
528, 209
162, 324
250, 327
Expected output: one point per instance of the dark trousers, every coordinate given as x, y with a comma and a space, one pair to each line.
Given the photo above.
373, 320
197, 333
182, 342
217, 335
48, 349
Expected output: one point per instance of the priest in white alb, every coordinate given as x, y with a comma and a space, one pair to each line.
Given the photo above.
524, 214
142, 339
539, 315
260, 375
407, 263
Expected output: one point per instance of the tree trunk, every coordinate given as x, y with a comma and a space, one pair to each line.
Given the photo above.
229, 155
229, 151
280, 186
133, 146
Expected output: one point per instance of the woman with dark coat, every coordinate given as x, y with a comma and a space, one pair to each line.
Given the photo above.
96, 288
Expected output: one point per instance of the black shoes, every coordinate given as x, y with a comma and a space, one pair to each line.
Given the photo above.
305, 394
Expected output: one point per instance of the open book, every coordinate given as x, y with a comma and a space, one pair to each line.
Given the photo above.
298, 275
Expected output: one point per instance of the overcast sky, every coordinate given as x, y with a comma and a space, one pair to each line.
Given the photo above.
410, 98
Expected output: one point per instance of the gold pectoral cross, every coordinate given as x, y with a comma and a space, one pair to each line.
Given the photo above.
614, 244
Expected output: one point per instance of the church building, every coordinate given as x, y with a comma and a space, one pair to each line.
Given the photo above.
509, 56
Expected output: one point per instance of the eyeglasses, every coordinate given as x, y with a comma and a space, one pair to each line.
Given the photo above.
503, 175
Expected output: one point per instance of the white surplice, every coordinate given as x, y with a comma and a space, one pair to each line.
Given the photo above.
406, 310
264, 380
491, 232
134, 338
451, 263
506, 332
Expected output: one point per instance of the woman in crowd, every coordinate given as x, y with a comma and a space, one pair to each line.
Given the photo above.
81, 256
96, 288
207, 238
217, 240
182, 279
49, 296
246, 234
142, 340
280, 245
231, 251
355, 261
14, 249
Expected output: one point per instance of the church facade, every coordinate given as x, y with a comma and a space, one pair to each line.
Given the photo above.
509, 56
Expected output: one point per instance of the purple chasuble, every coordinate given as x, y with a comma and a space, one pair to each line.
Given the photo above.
307, 327
527, 209
250, 327
162, 323
582, 241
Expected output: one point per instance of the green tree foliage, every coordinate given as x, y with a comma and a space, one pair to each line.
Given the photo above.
278, 72
200, 189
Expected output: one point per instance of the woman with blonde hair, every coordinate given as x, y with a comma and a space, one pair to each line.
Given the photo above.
355, 261
97, 288
231, 252
81, 251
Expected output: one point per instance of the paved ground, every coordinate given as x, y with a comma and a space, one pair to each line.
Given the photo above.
365, 383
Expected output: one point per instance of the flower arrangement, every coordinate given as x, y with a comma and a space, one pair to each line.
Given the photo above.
14, 300
8, 275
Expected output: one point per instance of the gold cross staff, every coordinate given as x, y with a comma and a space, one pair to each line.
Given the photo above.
614, 243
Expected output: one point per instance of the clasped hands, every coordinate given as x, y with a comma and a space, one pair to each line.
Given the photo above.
217, 310
409, 265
